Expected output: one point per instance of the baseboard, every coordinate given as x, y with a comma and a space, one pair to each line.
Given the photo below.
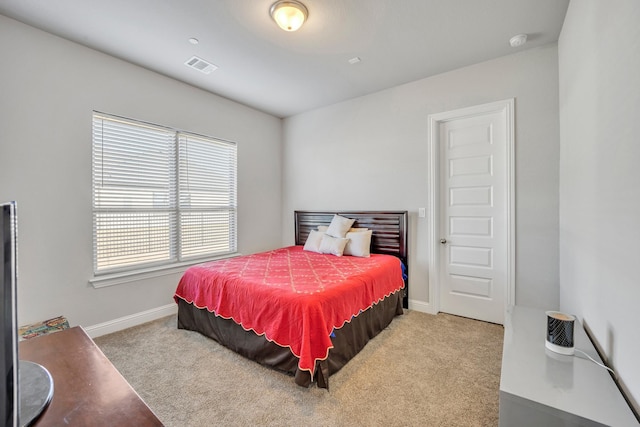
421, 306
125, 322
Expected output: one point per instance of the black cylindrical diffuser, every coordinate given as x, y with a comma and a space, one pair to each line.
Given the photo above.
560, 332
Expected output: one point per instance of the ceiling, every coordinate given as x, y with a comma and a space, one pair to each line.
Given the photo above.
286, 73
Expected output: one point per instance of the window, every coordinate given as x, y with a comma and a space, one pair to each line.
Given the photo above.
160, 196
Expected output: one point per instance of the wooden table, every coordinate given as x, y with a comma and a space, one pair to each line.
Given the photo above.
88, 389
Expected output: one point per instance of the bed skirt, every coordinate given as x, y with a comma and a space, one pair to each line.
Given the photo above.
347, 341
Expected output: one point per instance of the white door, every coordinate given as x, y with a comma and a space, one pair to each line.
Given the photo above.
472, 227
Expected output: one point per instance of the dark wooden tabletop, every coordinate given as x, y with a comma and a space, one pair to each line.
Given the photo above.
88, 389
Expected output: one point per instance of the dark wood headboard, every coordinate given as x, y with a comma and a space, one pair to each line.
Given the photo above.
389, 232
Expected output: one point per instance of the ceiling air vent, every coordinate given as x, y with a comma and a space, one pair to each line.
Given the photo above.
200, 65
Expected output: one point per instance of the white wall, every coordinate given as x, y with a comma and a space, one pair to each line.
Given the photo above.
370, 153
48, 89
599, 68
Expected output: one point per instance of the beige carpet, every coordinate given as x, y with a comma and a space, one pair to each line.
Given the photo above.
423, 370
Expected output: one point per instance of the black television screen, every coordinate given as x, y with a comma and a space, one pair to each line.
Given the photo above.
27, 387
8, 334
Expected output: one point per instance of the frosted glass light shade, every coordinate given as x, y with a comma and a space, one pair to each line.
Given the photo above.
289, 15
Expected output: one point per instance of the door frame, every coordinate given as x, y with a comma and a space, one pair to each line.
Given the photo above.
506, 106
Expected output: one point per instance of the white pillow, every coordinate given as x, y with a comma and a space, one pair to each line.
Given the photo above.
313, 241
339, 226
332, 245
359, 244
323, 228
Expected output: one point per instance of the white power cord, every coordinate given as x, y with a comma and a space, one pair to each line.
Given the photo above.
597, 363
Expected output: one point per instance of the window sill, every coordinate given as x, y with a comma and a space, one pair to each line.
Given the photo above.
112, 279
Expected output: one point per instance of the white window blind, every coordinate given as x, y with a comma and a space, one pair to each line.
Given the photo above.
207, 188
155, 204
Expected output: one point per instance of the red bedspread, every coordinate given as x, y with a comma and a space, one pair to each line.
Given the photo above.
294, 298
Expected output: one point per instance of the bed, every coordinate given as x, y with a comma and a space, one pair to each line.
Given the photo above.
297, 311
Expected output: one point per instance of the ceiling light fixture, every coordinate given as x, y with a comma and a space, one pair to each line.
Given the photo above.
518, 40
289, 15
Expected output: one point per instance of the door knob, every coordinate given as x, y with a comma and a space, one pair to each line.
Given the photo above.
443, 241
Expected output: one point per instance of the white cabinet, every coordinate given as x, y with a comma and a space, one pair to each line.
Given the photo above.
541, 388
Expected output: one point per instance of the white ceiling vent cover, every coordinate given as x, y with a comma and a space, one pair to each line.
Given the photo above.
201, 65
